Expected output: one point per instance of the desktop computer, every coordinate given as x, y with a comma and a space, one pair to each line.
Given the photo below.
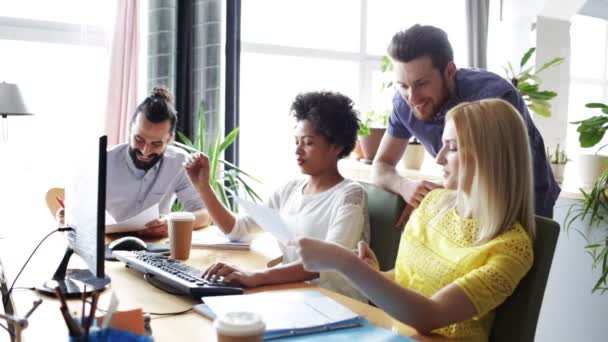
85, 198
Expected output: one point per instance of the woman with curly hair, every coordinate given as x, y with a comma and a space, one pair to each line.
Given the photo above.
323, 205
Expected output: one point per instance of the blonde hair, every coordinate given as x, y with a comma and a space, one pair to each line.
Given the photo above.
493, 146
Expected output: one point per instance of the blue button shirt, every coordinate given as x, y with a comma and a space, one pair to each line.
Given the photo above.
473, 85
130, 190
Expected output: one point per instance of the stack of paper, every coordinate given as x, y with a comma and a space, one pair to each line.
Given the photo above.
211, 237
288, 313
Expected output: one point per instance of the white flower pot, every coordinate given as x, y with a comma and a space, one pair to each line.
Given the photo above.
413, 157
590, 167
558, 172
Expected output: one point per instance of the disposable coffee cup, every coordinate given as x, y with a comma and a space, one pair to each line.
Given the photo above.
180, 234
239, 327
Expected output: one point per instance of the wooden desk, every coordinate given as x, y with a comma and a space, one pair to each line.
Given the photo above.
46, 323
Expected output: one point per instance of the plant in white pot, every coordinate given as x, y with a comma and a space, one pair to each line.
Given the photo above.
592, 210
558, 159
591, 131
414, 155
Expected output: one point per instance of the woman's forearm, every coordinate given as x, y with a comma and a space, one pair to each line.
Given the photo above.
293, 272
220, 215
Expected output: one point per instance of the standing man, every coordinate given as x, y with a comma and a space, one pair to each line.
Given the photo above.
147, 170
429, 84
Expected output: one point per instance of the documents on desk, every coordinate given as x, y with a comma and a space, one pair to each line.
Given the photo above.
212, 237
289, 313
132, 224
269, 220
300, 313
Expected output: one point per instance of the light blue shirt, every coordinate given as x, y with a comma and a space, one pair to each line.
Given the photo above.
130, 190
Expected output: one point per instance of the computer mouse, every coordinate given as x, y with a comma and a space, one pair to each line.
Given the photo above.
127, 243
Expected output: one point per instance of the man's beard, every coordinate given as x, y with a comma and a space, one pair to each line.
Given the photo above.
133, 152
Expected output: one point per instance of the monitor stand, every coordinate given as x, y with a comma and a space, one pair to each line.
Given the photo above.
72, 282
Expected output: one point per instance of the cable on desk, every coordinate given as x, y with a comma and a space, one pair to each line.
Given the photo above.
164, 314
7, 296
176, 313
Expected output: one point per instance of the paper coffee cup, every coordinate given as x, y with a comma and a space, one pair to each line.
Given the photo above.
180, 234
239, 327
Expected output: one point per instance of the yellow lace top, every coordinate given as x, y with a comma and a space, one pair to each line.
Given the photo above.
437, 251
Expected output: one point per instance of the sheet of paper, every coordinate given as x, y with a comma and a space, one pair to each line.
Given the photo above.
211, 237
134, 223
269, 220
285, 310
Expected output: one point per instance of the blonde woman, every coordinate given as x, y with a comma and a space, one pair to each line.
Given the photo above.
466, 247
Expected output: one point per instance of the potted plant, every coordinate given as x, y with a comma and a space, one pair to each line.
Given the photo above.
528, 83
414, 155
591, 131
373, 123
558, 160
371, 131
593, 208
227, 181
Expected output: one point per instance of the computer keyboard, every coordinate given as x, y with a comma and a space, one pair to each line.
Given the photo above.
179, 276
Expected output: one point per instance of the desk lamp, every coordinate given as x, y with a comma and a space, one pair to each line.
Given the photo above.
11, 103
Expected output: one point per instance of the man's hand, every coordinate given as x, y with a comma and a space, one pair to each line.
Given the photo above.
365, 253
413, 192
320, 256
231, 275
197, 169
155, 229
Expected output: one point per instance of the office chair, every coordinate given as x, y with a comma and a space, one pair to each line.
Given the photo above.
517, 317
51, 199
384, 209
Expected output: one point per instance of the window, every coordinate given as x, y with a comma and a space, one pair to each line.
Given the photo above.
589, 76
295, 46
58, 54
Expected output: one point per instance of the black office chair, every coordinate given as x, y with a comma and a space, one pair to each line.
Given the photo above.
384, 209
517, 317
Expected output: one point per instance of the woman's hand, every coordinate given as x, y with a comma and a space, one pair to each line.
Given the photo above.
231, 275
366, 254
197, 169
320, 256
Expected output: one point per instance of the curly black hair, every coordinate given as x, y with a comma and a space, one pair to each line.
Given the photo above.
332, 115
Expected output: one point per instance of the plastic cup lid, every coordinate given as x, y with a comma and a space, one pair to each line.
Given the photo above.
239, 324
181, 216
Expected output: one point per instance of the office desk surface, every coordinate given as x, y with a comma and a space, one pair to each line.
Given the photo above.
134, 292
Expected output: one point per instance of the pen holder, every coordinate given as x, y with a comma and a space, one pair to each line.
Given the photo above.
111, 335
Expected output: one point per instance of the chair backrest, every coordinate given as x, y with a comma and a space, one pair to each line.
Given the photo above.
51, 199
517, 317
384, 209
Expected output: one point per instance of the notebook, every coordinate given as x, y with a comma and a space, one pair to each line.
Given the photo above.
212, 237
286, 313
280, 306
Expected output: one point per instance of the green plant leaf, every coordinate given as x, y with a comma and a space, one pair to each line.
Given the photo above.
229, 139
540, 110
555, 61
526, 57
185, 139
596, 105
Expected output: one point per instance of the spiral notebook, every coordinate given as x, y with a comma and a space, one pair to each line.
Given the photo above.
286, 313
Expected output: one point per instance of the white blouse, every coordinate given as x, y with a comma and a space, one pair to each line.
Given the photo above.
337, 215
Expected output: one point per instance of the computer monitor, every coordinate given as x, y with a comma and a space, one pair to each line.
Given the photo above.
85, 198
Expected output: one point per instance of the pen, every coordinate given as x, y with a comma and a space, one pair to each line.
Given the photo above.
60, 202
91, 312
73, 327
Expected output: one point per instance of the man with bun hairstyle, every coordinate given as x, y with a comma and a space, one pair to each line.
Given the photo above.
148, 170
